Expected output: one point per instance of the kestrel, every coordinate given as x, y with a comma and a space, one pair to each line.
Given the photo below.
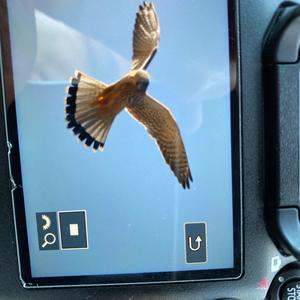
92, 106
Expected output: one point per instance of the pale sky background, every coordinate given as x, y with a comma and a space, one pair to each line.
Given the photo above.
136, 209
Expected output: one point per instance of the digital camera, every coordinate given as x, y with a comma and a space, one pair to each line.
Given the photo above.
150, 149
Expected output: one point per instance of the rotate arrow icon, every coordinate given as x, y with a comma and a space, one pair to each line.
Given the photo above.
198, 240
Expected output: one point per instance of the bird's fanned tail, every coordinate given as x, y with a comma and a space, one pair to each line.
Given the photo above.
83, 111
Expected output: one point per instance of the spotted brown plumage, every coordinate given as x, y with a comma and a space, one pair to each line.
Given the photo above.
92, 106
161, 125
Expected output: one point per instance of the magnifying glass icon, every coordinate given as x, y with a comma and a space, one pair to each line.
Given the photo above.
49, 239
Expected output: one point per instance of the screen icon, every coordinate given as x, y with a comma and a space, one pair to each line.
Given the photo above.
73, 229
47, 221
275, 264
47, 230
49, 239
195, 242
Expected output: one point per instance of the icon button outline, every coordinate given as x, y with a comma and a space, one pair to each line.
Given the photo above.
59, 229
185, 242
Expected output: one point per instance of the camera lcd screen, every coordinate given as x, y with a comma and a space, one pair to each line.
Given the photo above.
123, 127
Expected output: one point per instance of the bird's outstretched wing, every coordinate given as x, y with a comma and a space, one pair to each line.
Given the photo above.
145, 36
161, 125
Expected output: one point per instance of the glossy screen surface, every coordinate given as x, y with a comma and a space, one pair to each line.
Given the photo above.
133, 208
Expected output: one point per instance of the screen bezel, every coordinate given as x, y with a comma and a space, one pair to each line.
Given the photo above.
7, 93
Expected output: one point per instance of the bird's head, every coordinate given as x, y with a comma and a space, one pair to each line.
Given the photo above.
141, 79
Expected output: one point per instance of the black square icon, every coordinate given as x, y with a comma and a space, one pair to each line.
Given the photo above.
195, 242
73, 229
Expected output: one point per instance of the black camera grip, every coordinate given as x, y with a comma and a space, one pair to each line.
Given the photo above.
281, 75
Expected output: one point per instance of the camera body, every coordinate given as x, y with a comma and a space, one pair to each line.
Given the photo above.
263, 259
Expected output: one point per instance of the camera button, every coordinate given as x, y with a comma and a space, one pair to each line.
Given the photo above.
195, 242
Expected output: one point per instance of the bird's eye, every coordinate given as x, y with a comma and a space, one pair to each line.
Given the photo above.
139, 85
142, 86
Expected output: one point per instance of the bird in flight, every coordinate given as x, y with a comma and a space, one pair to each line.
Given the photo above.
92, 106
